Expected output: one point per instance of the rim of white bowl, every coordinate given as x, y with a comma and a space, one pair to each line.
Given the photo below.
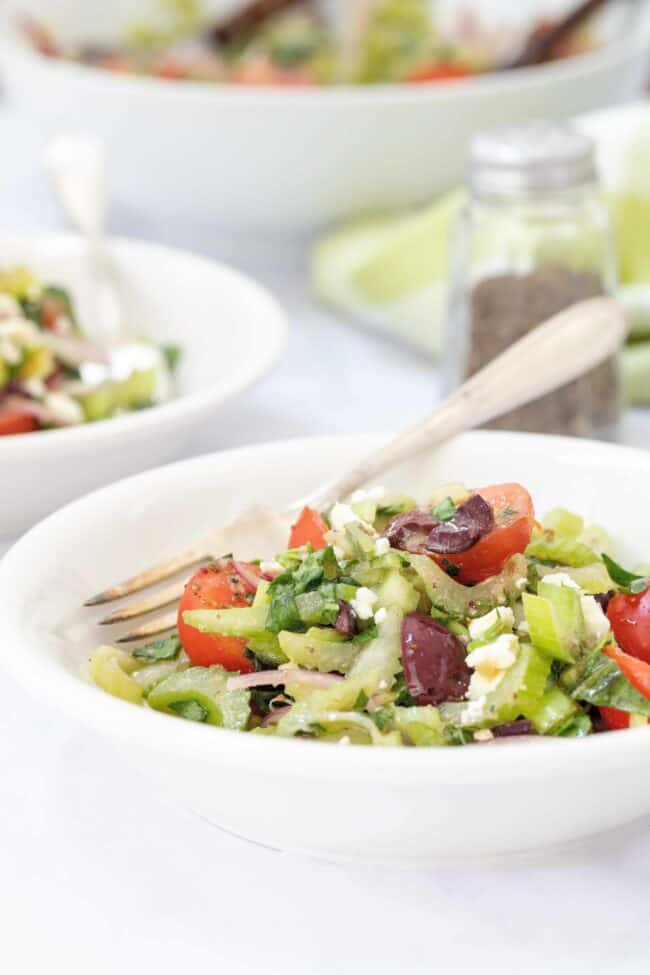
621, 48
118, 719
185, 406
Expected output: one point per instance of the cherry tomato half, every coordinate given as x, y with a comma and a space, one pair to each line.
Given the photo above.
15, 422
438, 71
218, 586
514, 518
308, 530
630, 620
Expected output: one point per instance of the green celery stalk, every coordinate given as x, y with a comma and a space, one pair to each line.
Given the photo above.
397, 591
319, 649
555, 621
110, 669
421, 726
199, 694
469, 601
564, 523
552, 711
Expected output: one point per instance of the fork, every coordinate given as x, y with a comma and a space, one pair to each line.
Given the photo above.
554, 353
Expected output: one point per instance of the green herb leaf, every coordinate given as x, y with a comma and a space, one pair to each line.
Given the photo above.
445, 511
382, 717
190, 710
450, 568
160, 649
361, 701
370, 633
172, 355
626, 580
601, 682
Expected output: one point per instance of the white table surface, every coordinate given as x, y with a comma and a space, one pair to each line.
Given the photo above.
96, 871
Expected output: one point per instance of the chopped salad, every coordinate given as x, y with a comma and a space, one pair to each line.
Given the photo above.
459, 621
309, 42
51, 375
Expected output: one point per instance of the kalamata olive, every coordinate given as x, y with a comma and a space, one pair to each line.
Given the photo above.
409, 531
512, 728
473, 519
604, 599
433, 660
346, 621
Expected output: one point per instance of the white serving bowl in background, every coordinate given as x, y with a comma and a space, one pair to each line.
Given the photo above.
374, 804
231, 333
276, 160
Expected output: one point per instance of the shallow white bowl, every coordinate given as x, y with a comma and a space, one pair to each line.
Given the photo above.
278, 160
399, 805
231, 332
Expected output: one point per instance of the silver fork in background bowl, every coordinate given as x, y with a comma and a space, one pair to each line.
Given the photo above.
556, 352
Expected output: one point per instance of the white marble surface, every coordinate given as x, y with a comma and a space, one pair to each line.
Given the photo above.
96, 871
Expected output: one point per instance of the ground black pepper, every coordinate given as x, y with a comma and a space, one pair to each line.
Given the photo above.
503, 308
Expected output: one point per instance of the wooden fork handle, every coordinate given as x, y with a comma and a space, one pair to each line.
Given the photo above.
556, 352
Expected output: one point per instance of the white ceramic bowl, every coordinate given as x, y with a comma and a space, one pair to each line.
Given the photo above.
373, 804
231, 332
278, 160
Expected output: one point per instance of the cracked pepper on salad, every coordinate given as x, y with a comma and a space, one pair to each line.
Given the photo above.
51, 375
462, 620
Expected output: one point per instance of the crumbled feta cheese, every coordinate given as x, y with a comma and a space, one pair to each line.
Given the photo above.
596, 623
363, 602
380, 615
339, 553
502, 614
382, 546
383, 684
342, 515
523, 627
9, 307
271, 568
561, 579
483, 735
521, 583
10, 352
490, 662
19, 330
34, 387
473, 712
65, 408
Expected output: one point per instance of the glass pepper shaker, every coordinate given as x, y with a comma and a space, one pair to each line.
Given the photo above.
533, 238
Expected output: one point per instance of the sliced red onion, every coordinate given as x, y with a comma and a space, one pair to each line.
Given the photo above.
472, 520
513, 729
247, 573
71, 350
272, 678
274, 716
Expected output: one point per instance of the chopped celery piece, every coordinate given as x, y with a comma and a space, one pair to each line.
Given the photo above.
249, 621
374, 669
366, 510
333, 725
462, 601
519, 692
361, 544
110, 669
319, 649
99, 403
592, 579
564, 523
199, 694
553, 711
267, 648
420, 726
148, 677
547, 547
597, 539
555, 621
396, 591
136, 389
